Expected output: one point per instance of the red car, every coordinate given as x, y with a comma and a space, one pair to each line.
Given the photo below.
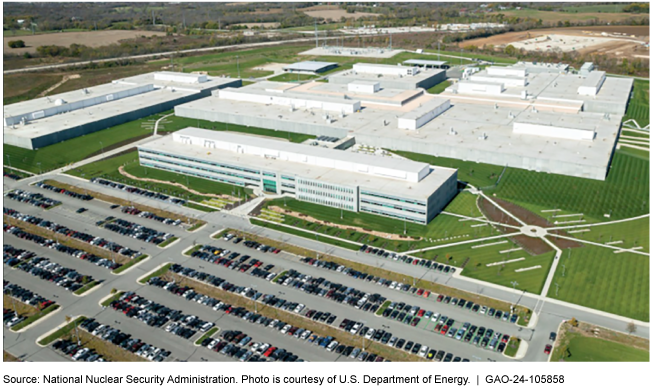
426, 294
421, 313
415, 262
420, 292
438, 327
270, 351
547, 349
440, 298
444, 330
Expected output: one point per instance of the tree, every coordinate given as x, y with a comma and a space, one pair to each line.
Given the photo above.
631, 327
510, 50
16, 43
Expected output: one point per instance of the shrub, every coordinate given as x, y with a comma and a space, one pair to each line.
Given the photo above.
16, 43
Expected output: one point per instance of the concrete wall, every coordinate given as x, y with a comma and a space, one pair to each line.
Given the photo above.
441, 197
553, 131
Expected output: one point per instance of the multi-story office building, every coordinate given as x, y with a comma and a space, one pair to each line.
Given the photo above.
390, 187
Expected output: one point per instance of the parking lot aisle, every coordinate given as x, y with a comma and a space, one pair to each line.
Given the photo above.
288, 261
65, 260
301, 348
181, 349
43, 288
345, 311
21, 346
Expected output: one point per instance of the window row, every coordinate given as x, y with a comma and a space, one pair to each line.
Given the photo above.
326, 194
396, 207
244, 169
325, 202
231, 174
212, 178
325, 186
384, 196
393, 215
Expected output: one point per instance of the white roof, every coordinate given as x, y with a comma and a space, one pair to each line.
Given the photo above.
424, 62
309, 65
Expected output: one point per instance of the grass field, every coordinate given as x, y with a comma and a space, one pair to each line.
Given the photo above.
512, 347
598, 278
580, 345
641, 154
633, 234
469, 56
615, 8
638, 107
442, 227
15, 89
293, 77
623, 194
162, 270
464, 204
110, 300
478, 174
35, 317
476, 261
87, 287
61, 154
437, 89
129, 264
550, 16
209, 334
308, 235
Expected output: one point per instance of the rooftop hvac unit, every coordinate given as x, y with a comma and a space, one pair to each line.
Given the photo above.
534, 110
496, 106
483, 136
452, 131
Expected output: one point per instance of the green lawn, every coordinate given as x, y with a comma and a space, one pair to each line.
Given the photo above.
632, 233
209, 334
308, 235
641, 154
589, 349
443, 228
503, 274
469, 56
161, 271
624, 193
130, 264
437, 89
638, 107
595, 8
61, 332
464, 204
17, 87
596, 277
478, 174
293, 77
110, 300
61, 154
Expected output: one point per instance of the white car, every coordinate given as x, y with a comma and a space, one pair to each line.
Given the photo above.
423, 351
285, 329
305, 334
435, 317
370, 333
299, 308
392, 285
332, 346
392, 341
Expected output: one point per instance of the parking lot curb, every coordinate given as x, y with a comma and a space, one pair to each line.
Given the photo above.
108, 297
521, 352
212, 336
197, 229
89, 291
72, 319
37, 322
184, 252
131, 268
178, 239
216, 233
152, 271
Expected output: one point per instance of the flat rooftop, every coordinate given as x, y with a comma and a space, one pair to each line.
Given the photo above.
351, 75
424, 62
436, 177
314, 66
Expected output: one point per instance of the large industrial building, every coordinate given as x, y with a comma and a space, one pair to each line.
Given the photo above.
44, 121
390, 187
532, 116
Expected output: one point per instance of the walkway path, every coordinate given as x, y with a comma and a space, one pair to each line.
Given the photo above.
155, 127
598, 223
612, 247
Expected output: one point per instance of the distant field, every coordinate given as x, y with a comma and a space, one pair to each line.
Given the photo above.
549, 16
598, 278
580, 345
607, 8
21, 87
335, 14
439, 88
293, 77
86, 38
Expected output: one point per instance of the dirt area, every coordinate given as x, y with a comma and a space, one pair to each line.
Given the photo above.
89, 38
261, 25
334, 14
534, 246
390, 236
622, 41
274, 67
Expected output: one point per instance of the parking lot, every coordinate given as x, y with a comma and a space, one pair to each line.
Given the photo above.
256, 269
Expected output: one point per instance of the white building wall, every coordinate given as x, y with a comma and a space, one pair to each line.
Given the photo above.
507, 71
413, 122
553, 131
369, 68
301, 158
180, 77
479, 88
500, 80
328, 105
592, 83
363, 87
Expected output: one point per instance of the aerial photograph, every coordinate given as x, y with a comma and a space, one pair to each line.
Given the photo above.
326, 182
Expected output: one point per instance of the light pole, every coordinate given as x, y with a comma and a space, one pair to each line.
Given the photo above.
563, 269
514, 284
39, 168
557, 288
101, 145
9, 160
238, 75
254, 300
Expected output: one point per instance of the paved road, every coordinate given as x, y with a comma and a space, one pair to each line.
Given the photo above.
552, 313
